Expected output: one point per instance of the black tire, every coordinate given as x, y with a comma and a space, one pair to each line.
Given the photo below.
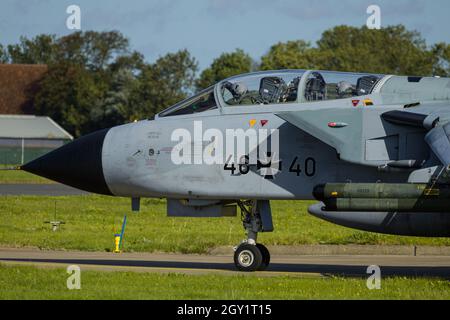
265, 256
248, 258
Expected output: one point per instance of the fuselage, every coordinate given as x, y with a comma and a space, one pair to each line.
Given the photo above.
137, 159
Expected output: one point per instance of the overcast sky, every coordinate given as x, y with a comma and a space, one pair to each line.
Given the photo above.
209, 27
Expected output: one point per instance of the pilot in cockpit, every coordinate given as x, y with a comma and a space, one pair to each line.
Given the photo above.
238, 91
345, 89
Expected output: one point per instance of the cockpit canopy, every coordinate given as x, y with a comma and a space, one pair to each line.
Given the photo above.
295, 86
278, 87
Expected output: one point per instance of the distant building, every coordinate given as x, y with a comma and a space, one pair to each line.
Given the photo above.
24, 138
18, 85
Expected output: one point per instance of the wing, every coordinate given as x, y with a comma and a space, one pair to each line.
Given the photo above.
318, 123
358, 133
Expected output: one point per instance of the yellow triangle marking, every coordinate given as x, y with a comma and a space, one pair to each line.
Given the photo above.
252, 123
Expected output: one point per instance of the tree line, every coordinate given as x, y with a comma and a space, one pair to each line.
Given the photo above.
95, 80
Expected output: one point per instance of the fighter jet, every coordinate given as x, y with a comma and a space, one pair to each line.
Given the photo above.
373, 149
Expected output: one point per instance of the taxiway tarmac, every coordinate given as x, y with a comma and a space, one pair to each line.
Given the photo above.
339, 265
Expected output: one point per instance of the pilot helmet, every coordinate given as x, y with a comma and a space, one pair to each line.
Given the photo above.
344, 87
239, 89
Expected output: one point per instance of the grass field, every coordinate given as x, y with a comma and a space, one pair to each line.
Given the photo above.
36, 283
91, 221
16, 176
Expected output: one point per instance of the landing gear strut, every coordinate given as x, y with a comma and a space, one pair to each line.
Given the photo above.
256, 217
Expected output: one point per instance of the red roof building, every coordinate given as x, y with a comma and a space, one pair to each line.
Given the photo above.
18, 84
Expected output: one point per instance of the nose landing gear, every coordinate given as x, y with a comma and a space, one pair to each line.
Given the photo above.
256, 217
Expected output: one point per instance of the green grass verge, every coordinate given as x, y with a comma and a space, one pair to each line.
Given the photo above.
91, 221
36, 283
17, 176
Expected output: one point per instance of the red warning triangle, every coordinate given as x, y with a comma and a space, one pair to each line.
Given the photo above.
355, 102
264, 122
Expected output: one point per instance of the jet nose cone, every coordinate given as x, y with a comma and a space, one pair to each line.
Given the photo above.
77, 164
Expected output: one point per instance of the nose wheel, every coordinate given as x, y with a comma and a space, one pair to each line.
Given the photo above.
248, 257
251, 256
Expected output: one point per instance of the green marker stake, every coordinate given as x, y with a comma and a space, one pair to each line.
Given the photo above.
123, 231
